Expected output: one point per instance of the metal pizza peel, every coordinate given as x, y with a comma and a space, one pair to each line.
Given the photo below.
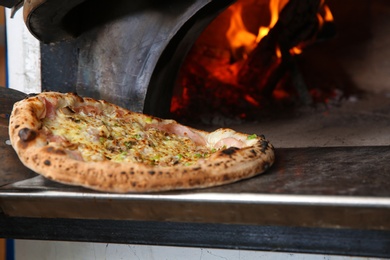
11, 170
8, 97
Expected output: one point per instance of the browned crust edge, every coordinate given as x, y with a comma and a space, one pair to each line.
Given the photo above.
223, 167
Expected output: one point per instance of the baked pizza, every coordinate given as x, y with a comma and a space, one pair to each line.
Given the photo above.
93, 143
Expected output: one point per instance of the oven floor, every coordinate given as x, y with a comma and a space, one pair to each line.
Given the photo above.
354, 122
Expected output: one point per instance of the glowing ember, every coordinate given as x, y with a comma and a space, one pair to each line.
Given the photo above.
240, 77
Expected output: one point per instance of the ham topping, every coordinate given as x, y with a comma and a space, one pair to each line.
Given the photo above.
179, 130
229, 142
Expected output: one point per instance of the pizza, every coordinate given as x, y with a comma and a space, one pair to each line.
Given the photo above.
95, 144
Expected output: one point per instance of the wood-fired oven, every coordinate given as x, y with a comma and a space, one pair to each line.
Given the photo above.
315, 80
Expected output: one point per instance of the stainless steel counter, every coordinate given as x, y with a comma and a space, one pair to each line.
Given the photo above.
332, 200
308, 187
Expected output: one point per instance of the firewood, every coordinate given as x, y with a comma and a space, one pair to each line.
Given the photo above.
297, 24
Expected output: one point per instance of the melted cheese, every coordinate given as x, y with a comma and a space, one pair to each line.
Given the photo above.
101, 137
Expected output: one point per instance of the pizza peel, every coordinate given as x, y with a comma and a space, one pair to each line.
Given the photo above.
11, 170
8, 97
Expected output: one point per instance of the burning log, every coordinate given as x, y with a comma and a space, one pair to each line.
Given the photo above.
247, 73
267, 64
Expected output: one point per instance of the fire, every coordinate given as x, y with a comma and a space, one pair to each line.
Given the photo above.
274, 7
327, 16
222, 81
238, 35
241, 39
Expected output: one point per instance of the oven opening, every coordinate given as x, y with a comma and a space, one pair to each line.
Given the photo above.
247, 60
261, 57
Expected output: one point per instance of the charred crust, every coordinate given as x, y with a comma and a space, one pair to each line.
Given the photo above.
47, 162
53, 150
264, 146
230, 150
26, 134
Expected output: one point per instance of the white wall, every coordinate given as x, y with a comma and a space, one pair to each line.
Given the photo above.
24, 66
41, 250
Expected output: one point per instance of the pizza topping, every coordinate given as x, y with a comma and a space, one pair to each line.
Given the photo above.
50, 109
67, 110
88, 110
229, 142
99, 135
250, 137
179, 130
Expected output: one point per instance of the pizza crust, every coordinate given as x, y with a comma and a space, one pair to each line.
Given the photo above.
228, 165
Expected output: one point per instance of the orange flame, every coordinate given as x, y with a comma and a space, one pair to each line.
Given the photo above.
274, 6
325, 16
328, 16
239, 37
242, 42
